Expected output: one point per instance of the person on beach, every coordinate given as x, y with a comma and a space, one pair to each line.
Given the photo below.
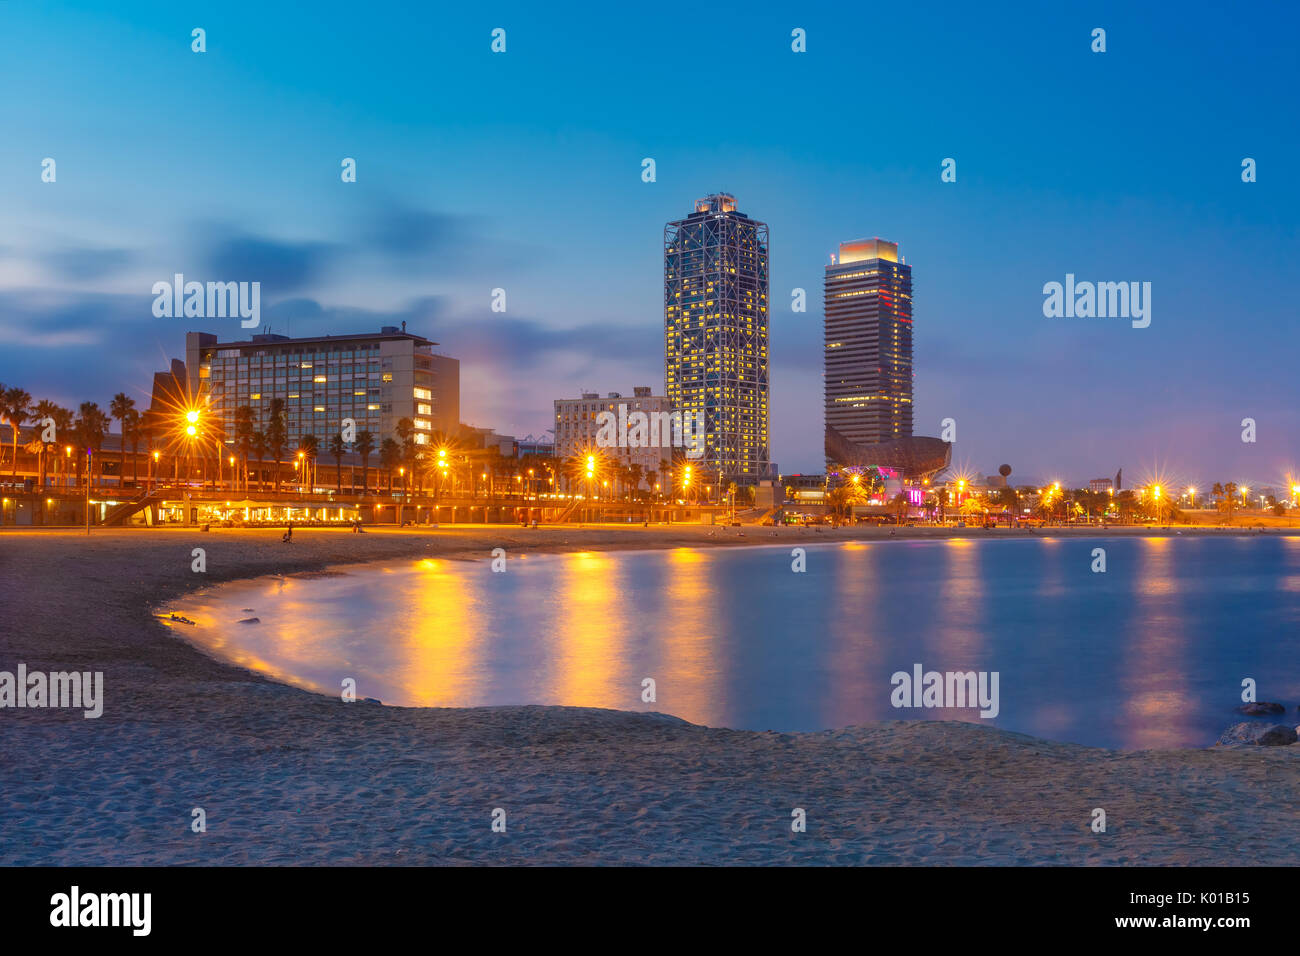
288, 535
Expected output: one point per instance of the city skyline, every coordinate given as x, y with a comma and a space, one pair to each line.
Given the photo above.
430, 228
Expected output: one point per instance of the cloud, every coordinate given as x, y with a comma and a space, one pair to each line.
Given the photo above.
82, 264
282, 267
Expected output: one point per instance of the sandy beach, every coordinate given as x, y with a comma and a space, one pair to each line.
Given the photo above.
289, 777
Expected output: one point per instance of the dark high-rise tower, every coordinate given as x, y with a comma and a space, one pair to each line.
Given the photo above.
716, 334
868, 330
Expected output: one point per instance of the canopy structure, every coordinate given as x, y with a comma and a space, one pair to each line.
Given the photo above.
913, 458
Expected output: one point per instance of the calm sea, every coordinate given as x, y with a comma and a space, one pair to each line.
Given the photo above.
1150, 653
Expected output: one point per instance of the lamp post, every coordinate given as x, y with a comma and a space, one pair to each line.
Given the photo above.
88, 463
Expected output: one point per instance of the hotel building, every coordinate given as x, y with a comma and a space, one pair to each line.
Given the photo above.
576, 426
868, 339
716, 333
376, 380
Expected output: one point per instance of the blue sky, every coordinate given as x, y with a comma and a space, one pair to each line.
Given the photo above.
522, 171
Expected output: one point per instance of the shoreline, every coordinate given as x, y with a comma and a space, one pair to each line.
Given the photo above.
287, 777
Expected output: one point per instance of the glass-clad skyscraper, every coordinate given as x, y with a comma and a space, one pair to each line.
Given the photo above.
868, 340
716, 333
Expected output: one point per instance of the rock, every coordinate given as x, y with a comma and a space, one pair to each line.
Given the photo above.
376, 700
249, 620
1265, 735
1256, 708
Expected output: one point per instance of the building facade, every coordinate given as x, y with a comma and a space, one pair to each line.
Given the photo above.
716, 333
578, 432
868, 343
376, 380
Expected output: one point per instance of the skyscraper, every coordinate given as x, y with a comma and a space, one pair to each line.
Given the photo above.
868, 338
716, 334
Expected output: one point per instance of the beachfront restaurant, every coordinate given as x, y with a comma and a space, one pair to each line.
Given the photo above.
246, 513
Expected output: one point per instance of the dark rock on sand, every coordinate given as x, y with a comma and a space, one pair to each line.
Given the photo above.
1255, 708
1266, 735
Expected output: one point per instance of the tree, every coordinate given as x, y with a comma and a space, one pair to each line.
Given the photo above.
257, 441
1229, 503
277, 437
90, 429
15, 405
244, 428
148, 431
131, 433
119, 407
405, 429
337, 448
62, 418
365, 447
390, 454
309, 447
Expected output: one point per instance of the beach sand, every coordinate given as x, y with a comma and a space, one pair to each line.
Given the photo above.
289, 777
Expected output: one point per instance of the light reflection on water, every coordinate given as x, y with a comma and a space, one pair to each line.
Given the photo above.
1149, 654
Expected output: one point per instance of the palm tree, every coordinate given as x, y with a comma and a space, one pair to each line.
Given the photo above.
244, 422
364, 446
257, 442
119, 406
90, 429
405, 429
337, 448
15, 405
308, 447
131, 432
900, 505
62, 418
390, 453
149, 431
277, 437
1229, 503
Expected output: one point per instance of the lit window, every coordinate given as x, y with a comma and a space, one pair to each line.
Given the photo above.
419, 392
388, 376
318, 378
